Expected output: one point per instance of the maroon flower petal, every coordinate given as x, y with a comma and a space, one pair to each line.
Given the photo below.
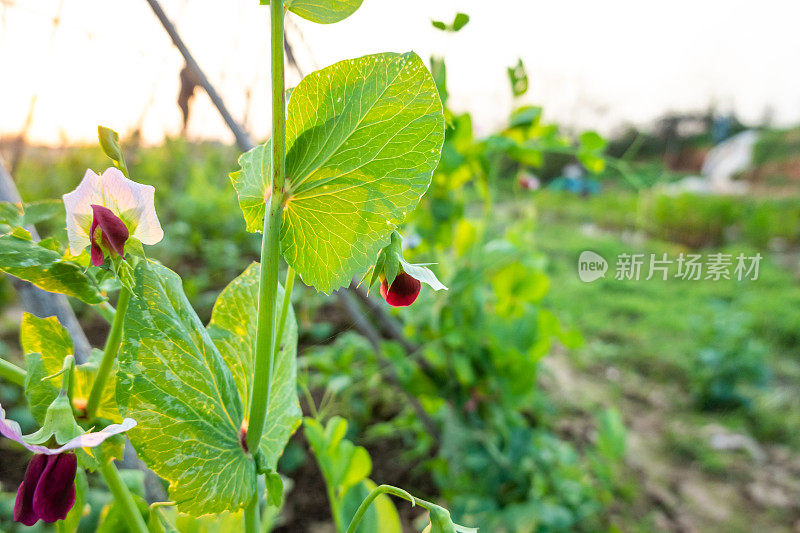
98, 257
114, 230
55, 492
23, 505
403, 292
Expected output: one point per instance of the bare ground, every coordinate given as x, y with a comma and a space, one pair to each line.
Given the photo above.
752, 487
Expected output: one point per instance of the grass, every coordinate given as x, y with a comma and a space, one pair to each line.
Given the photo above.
656, 328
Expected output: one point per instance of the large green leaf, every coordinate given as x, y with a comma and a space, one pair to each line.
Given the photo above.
233, 329
252, 185
363, 138
46, 343
321, 11
175, 384
15, 215
46, 269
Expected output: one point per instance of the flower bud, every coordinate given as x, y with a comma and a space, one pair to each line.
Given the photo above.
400, 280
403, 290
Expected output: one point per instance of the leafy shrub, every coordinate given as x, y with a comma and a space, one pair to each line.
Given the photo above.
731, 361
516, 479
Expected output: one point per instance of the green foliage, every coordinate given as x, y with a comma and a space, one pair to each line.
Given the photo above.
167, 363
690, 219
662, 329
346, 468
22, 215
607, 456
590, 153
41, 265
46, 343
114, 520
485, 343
611, 435
515, 479
253, 185
342, 463
363, 137
518, 78
321, 11
233, 330
730, 360
776, 146
459, 21
439, 74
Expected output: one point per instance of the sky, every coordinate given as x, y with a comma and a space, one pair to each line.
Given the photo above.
68, 65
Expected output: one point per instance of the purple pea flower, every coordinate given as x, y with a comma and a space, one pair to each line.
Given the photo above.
48, 490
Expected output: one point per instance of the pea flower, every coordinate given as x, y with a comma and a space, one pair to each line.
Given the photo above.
528, 182
104, 211
402, 292
401, 281
47, 491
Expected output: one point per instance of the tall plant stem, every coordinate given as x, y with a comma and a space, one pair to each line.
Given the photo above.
251, 517
123, 497
12, 373
270, 253
109, 354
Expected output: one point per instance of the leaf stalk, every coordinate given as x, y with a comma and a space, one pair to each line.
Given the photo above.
133, 518
385, 489
12, 373
109, 354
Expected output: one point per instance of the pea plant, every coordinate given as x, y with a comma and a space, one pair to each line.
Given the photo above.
210, 409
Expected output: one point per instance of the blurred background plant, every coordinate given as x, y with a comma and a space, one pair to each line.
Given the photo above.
525, 399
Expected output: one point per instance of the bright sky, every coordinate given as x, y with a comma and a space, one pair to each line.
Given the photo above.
592, 63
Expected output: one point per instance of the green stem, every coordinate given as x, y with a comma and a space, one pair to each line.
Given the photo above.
270, 244
287, 300
385, 489
12, 373
335, 512
261, 387
251, 514
107, 311
123, 497
109, 354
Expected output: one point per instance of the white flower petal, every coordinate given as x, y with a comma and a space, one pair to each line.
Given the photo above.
95, 438
11, 430
78, 205
134, 203
149, 229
